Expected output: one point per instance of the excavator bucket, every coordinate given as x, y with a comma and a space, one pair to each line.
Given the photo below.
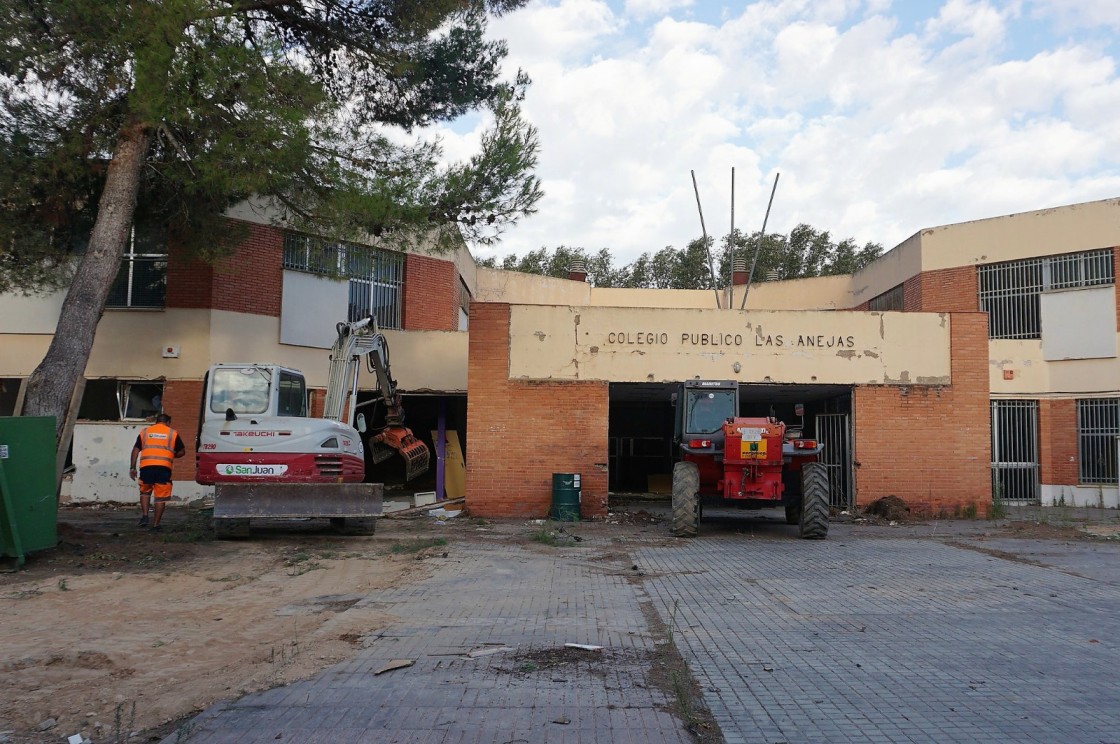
399, 440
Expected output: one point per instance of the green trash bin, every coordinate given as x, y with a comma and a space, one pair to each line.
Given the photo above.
565, 497
28, 498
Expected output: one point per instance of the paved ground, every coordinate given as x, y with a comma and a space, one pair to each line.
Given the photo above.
925, 634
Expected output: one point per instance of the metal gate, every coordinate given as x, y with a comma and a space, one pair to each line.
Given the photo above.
835, 430
1015, 475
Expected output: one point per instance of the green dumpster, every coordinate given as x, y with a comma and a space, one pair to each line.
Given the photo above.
28, 499
565, 497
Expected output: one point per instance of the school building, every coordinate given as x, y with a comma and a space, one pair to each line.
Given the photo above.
973, 361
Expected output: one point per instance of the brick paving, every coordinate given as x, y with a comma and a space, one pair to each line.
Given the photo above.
865, 637
483, 597
874, 639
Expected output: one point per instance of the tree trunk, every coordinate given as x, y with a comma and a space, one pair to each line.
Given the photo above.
51, 384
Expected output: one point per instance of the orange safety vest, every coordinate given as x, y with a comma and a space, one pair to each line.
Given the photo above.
157, 446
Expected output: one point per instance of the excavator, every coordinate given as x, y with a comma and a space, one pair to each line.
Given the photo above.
267, 458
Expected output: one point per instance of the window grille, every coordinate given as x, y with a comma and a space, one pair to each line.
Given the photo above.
376, 276
888, 301
142, 278
1098, 425
1015, 470
1009, 291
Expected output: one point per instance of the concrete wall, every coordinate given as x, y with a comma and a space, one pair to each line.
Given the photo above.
656, 345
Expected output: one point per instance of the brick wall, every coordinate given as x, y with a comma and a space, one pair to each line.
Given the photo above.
1057, 445
190, 282
431, 294
952, 290
181, 400
250, 280
912, 294
521, 432
930, 446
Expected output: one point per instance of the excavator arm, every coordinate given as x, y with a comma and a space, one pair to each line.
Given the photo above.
362, 339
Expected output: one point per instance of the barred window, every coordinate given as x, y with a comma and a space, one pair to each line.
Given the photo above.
889, 300
376, 276
1009, 291
1098, 425
142, 278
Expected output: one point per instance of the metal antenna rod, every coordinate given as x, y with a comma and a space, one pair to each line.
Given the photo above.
731, 249
704, 232
761, 235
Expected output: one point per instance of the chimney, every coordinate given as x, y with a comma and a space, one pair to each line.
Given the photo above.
739, 272
577, 270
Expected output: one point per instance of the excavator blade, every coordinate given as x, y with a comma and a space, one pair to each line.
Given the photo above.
400, 440
295, 500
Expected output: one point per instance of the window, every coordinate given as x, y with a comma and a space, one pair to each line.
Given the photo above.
1009, 291
1098, 425
293, 395
142, 279
242, 389
375, 275
889, 300
464, 306
121, 400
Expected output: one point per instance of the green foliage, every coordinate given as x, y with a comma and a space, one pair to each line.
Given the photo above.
291, 102
805, 252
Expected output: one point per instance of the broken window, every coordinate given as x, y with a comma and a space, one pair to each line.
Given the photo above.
121, 400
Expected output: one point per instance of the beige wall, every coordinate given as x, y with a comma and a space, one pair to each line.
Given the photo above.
129, 345
658, 345
1034, 377
888, 271
1077, 227
495, 285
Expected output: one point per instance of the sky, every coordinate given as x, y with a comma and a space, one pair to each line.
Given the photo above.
881, 117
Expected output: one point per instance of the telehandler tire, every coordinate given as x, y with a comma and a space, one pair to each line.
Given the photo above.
686, 500
814, 501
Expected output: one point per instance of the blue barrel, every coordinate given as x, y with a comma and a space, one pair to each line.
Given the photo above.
565, 497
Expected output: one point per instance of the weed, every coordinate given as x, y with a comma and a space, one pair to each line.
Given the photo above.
415, 546
673, 618
122, 731
968, 511
302, 568
527, 667
682, 690
553, 536
998, 509
62, 585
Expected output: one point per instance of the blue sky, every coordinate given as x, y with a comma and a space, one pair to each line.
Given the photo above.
882, 117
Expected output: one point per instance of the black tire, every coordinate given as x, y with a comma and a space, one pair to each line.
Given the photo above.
354, 525
686, 502
227, 528
793, 512
814, 501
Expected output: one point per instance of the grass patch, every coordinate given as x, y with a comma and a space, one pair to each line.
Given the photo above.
415, 546
553, 535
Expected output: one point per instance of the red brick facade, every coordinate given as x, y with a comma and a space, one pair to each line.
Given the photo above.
1057, 446
248, 281
181, 399
431, 294
521, 432
930, 445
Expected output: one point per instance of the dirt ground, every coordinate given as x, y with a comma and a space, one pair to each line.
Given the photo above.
120, 630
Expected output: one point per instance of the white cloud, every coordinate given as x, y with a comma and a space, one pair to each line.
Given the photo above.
645, 8
878, 127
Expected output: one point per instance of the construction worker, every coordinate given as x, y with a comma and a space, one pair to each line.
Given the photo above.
156, 447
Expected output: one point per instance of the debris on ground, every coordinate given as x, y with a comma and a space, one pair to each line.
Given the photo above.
891, 508
395, 664
479, 652
584, 646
